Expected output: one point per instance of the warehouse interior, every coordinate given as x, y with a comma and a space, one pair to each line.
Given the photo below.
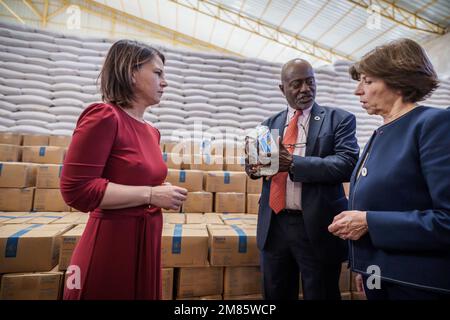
223, 63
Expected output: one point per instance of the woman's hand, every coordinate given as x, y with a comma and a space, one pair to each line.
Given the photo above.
167, 196
349, 225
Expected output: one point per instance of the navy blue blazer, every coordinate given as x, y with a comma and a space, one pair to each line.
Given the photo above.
330, 156
405, 190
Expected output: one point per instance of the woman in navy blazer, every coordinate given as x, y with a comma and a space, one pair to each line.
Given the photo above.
398, 221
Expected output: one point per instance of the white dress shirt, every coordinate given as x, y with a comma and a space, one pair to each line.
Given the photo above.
294, 189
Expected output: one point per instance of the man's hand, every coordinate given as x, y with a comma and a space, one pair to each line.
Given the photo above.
349, 225
285, 158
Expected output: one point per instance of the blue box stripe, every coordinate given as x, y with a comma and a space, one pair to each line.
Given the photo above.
41, 151
226, 177
60, 169
176, 241
165, 157
1, 167
13, 241
242, 239
182, 177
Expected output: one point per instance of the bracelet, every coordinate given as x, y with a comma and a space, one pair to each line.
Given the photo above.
150, 197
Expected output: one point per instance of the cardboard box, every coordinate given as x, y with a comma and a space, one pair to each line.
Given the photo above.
203, 218
235, 164
16, 199
170, 146
239, 219
11, 138
253, 203
244, 297
226, 181
59, 141
184, 245
30, 247
47, 217
229, 202
7, 216
44, 155
254, 186
197, 282
9, 152
173, 161
48, 176
174, 218
232, 245
203, 162
35, 140
73, 218
192, 180
199, 201
17, 174
170, 210
234, 149
22, 217
31, 286
69, 241
240, 281
49, 200
167, 283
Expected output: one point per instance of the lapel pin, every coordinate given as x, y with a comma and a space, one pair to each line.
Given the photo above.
316, 118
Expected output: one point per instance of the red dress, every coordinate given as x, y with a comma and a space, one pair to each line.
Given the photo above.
119, 253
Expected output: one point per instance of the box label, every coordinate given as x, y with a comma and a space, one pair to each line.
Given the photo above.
226, 177
41, 151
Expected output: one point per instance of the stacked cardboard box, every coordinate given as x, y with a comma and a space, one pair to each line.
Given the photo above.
240, 281
184, 245
174, 218
31, 286
30, 247
167, 283
226, 181
9, 152
69, 241
253, 203
229, 202
198, 282
233, 245
192, 180
203, 218
199, 201
43, 154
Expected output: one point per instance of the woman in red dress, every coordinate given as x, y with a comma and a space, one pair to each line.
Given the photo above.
114, 170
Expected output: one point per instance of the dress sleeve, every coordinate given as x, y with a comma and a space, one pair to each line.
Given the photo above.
82, 185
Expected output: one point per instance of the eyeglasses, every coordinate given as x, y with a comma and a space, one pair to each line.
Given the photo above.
300, 144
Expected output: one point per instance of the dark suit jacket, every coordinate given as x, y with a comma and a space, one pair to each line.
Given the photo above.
330, 156
406, 193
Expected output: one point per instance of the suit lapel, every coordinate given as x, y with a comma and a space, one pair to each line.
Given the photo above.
280, 123
315, 123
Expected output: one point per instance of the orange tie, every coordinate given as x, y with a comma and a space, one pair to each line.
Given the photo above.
277, 200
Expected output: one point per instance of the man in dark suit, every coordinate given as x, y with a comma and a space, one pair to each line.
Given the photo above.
317, 154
